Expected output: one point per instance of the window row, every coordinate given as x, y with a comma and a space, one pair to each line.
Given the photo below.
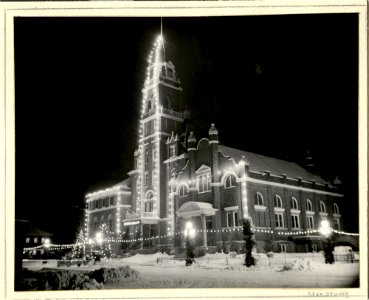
295, 222
35, 240
258, 200
103, 202
203, 184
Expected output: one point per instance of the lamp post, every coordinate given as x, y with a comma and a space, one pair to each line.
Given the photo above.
189, 234
326, 230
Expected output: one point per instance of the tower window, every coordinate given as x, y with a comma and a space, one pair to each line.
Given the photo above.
172, 151
163, 72
146, 179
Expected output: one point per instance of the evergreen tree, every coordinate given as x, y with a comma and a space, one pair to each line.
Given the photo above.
248, 237
328, 248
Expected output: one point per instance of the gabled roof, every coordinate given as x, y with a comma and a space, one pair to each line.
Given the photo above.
260, 163
34, 231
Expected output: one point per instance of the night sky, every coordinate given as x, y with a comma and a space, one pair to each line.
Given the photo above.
274, 85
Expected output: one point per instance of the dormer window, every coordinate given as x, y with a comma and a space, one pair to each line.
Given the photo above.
170, 72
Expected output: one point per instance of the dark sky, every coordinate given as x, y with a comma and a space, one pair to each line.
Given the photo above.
275, 85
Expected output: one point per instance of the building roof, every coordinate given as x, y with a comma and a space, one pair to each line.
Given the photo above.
260, 163
34, 231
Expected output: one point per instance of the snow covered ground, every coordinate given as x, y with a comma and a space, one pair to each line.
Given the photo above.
225, 270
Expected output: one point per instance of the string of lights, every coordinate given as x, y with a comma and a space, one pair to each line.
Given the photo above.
268, 231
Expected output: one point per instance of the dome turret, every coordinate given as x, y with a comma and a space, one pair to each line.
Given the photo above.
213, 134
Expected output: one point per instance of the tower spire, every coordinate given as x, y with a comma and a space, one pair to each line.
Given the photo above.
162, 39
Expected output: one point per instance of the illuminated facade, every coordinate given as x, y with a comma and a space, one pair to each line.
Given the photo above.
177, 179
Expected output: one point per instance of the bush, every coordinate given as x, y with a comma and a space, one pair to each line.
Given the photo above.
234, 247
76, 280
219, 247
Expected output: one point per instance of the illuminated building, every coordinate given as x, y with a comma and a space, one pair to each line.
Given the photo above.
178, 178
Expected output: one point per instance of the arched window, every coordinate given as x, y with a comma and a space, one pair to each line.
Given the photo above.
182, 191
294, 204
230, 181
309, 205
149, 203
322, 207
259, 199
277, 201
335, 209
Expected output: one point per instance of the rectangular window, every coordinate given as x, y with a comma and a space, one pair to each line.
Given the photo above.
283, 248
229, 220
204, 183
43, 240
147, 157
235, 219
310, 222
27, 240
170, 72
279, 220
336, 224
295, 221
111, 199
209, 222
35, 240
146, 180
172, 151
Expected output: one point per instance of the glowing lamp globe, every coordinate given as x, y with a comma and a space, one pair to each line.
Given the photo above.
99, 238
325, 228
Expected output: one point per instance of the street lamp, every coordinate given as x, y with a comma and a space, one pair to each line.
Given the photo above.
326, 230
47, 243
99, 238
189, 234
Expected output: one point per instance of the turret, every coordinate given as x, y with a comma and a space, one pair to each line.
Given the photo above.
191, 142
213, 134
